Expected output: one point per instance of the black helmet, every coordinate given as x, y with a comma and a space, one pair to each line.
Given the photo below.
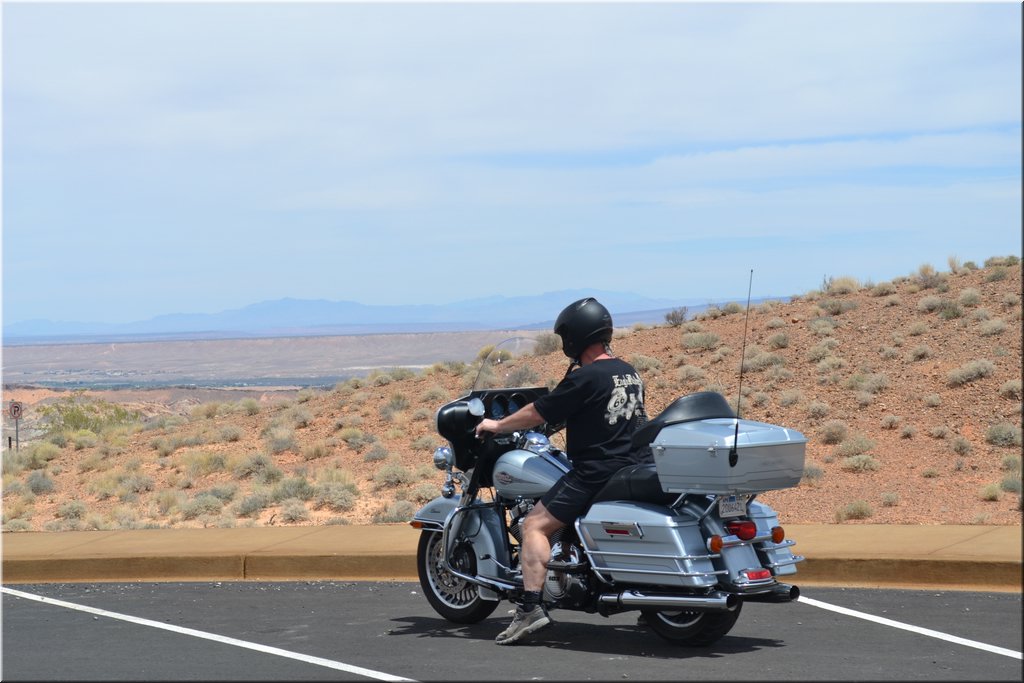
581, 324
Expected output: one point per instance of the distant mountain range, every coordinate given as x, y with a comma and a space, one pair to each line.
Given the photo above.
318, 317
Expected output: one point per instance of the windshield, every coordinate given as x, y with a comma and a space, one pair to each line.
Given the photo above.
518, 362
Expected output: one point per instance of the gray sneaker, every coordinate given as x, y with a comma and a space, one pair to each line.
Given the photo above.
523, 624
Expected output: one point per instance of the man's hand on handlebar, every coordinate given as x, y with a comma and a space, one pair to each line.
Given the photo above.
486, 425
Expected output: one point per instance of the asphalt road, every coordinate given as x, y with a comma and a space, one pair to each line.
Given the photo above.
359, 631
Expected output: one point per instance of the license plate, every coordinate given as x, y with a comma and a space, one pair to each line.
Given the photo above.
732, 506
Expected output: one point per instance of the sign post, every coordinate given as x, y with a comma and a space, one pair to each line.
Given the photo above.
15, 412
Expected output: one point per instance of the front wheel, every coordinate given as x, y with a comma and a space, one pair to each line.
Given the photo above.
692, 628
453, 598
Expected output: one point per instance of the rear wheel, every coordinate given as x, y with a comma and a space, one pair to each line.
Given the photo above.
693, 628
453, 598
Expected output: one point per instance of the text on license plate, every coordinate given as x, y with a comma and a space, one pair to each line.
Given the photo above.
732, 506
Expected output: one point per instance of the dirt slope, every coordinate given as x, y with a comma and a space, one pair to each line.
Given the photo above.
918, 371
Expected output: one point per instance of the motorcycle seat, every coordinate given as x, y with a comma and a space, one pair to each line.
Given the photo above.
637, 483
702, 405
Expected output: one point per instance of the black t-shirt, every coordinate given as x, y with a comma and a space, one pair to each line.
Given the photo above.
601, 404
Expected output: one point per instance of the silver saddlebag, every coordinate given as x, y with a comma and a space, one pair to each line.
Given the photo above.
643, 543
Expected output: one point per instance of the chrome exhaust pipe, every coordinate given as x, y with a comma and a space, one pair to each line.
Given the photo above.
712, 602
780, 593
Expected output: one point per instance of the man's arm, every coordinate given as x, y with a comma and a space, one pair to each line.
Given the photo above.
527, 416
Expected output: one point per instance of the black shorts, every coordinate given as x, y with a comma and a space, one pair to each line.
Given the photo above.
570, 497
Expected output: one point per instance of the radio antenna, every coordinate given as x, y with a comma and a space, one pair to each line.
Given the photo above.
733, 454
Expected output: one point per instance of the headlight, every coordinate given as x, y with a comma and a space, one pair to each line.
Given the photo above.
443, 457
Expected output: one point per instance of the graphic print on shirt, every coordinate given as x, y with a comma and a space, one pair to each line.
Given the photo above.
627, 398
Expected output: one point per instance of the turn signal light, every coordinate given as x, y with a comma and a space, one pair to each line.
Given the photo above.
744, 530
715, 544
416, 524
778, 534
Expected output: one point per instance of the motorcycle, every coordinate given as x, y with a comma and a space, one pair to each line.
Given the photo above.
682, 539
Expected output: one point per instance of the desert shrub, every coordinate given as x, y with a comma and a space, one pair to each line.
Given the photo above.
817, 409
960, 445
293, 510
890, 500
84, 438
292, 487
1011, 483
423, 443
970, 372
355, 438
858, 509
778, 341
837, 306
991, 492
73, 509
927, 277
317, 450
231, 433
890, 422
908, 432
833, 431
253, 504
399, 511
1003, 434
1011, 389
932, 400
920, 352
822, 349
434, 394
202, 504
34, 457
137, 483
996, 275
917, 329
929, 304
939, 432
823, 326
700, 341
690, 374
393, 474
855, 445
860, 463
970, 297
336, 496
930, 473
547, 343
869, 382
1011, 462
843, 285
37, 482
812, 474
644, 363
249, 406
18, 525
76, 411
206, 411
258, 467
202, 463
990, 328
790, 397
378, 452
883, 289
677, 316
757, 359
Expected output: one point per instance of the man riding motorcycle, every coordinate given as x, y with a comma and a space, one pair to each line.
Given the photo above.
601, 402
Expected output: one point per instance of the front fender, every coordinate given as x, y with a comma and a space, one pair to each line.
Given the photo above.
434, 514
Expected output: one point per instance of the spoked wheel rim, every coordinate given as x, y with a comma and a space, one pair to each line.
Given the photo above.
449, 589
679, 619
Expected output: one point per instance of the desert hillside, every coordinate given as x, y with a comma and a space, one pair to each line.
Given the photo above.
909, 392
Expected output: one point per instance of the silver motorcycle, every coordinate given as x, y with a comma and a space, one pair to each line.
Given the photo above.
682, 539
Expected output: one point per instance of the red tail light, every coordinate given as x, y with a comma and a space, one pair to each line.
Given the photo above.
744, 530
757, 574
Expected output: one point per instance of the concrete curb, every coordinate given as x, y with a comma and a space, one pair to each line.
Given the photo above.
936, 557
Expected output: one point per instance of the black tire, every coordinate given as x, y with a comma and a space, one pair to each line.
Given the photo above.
692, 628
453, 598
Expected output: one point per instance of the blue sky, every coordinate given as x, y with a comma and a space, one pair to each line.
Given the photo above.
193, 157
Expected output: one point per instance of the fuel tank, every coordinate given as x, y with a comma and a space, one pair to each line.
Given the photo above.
525, 474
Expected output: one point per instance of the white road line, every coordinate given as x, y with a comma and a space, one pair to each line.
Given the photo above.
915, 629
318, 661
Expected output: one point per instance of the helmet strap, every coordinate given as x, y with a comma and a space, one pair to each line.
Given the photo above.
573, 364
